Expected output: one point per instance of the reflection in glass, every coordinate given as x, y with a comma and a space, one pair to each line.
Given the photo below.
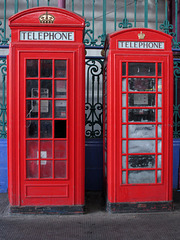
32, 88
123, 146
32, 169
141, 176
46, 88
46, 129
159, 131
159, 176
60, 68
123, 162
141, 146
141, 69
141, 115
31, 68
159, 85
60, 169
159, 100
123, 69
46, 149
141, 99
141, 161
123, 100
31, 129
124, 177
124, 84
159, 115
159, 69
46, 108
60, 109
123, 131
142, 131
31, 149
159, 146
32, 108
141, 84
124, 115
60, 149
60, 88
46, 68
159, 161
46, 169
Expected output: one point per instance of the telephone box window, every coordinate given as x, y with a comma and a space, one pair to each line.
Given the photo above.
46, 149
46, 108
31, 149
142, 99
46, 68
60, 68
32, 108
46, 169
142, 131
46, 88
141, 115
60, 169
60, 109
141, 177
141, 161
141, 69
142, 84
32, 88
46, 129
123, 69
31, 68
60, 149
31, 128
159, 69
32, 169
60, 128
141, 146
60, 88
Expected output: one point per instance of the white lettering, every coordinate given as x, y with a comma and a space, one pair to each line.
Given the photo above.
140, 45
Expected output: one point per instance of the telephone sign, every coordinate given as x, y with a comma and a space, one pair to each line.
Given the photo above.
46, 111
138, 120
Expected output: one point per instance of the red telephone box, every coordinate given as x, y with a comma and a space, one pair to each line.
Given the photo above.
138, 120
46, 111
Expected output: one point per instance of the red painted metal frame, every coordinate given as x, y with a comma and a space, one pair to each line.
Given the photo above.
25, 191
117, 191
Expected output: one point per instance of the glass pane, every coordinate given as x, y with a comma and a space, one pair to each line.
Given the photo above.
141, 84
46, 68
124, 115
124, 84
159, 131
60, 109
159, 146
141, 146
123, 162
159, 115
46, 88
46, 129
141, 69
32, 169
123, 100
159, 176
142, 99
142, 131
60, 169
141, 161
60, 68
46, 108
32, 88
159, 100
31, 149
159, 161
32, 108
123, 177
31, 68
46, 169
141, 115
123, 146
60, 88
60, 128
46, 149
141, 177
123, 68
31, 129
159, 85
60, 149
123, 131
159, 69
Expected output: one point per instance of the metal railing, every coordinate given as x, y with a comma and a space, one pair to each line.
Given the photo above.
101, 16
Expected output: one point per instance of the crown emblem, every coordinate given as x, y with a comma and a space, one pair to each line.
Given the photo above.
46, 18
141, 35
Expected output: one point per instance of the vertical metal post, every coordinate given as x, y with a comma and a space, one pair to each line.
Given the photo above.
73, 5
15, 6
146, 13
93, 19
176, 20
83, 8
4, 37
62, 3
156, 6
27, 4
48, 1
114, 15
104, 21
37, 3
135, 10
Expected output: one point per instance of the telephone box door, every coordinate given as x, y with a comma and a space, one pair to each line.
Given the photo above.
143, 134
47, 132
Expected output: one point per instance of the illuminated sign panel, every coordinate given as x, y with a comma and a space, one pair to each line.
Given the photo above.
140, 45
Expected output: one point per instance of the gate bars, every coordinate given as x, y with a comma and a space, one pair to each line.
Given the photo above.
120, 14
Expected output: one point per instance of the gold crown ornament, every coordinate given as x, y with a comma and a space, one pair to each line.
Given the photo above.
141, 35
46, 18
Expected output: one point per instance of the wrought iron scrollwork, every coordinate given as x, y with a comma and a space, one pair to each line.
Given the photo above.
94, 104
